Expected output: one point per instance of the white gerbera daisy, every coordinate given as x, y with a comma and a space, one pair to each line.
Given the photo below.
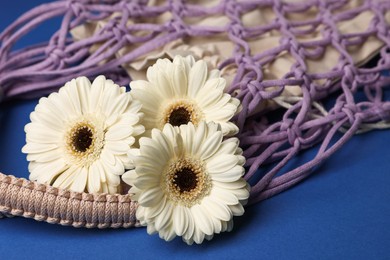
78, 138
188, 182
184, 91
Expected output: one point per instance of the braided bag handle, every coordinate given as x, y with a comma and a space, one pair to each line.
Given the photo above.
21, 197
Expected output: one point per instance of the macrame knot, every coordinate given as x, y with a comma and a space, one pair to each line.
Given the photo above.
256, 96
133, 8
56, 55
350, 110
254, 88
276, 91
239, 58
237, 30
119, 31
77, 8
294, 133
178, 25
349, 72
231, 9
368, 79
255, 68
383, 112
299, 73
178, 9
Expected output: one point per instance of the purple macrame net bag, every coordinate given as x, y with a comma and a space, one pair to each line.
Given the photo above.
267, 137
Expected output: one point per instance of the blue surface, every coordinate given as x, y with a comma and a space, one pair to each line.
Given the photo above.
341, 212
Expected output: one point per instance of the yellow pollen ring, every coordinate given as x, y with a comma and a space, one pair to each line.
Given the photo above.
181, 112
180, 192
84, 141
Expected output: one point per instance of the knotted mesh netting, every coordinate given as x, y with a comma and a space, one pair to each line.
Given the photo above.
324, 63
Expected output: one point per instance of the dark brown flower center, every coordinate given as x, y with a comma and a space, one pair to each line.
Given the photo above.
180, 112
185, 179
82, 139
179, 116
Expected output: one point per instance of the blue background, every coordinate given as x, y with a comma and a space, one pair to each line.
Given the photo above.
341, 212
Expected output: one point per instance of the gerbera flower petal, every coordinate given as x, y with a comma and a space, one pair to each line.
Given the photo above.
200, 135
138, 130
162, 141
112, 179
222, 163
149, 197
45, 156
97, 92
119, 132
202, 220
180, 220
211, 145
116, 147
80, 181
209, 98
239, 184
189, 132
38, 147
169, 234
190, 192
107, 157
66, 178
93, 183
179, 80
188, 234
163, 219
162, 79
237, 209
58, 107
52, 168
79, 138
47, 117
146, 181
153, 212
241, 194
42, 118
224, 195
198, 236
151, 230
219, 210
83, 87
228, 146
34, 134
114, 169
228, 175
217, 225
197, 77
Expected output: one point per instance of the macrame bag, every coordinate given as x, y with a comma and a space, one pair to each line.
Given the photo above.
282, 59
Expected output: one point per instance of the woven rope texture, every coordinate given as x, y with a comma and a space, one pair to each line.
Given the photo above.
20, 197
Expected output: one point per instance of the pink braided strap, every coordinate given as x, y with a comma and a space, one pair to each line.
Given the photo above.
20, 197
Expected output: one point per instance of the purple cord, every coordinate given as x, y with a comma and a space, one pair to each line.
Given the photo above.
40, 69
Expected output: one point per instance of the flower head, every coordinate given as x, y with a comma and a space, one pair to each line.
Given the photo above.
79, 138
188, 182
184, 91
